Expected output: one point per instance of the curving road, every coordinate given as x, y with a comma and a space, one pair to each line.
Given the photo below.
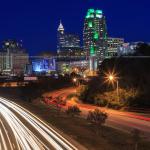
125, 121
21, 130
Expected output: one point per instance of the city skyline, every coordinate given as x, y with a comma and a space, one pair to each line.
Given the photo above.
74, 75
38, 29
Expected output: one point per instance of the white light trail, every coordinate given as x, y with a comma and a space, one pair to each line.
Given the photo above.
29, 132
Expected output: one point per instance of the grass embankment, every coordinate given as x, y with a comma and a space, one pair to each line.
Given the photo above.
83, 132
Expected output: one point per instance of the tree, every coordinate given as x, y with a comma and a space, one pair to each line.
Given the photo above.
73, 111
142, 49
97, 118
30, 92
135, 137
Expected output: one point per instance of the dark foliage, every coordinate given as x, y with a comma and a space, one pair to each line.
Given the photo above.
142, 49
73, 111
133, 73
34, 90
97, 118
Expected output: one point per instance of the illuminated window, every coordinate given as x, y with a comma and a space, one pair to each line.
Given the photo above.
92, 50
90, 24
98, 16
99, 11
96, 35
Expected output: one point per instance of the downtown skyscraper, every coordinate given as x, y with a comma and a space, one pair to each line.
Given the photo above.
95, 38
68, 44
60, 38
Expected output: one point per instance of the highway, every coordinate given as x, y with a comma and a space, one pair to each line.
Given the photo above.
125, 121
22, 130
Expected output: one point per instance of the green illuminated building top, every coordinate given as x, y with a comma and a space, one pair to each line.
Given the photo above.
94, 13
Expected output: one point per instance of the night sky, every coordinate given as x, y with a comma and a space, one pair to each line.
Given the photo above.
36, 21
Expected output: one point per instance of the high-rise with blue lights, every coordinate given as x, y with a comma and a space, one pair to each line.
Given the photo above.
68, 44
60, 38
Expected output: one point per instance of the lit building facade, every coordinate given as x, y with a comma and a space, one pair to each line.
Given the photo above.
68, 44
128, 48
13, 57
60, 38
113, 45
43, 65
71, 40
95, 37
72, 53
67, 67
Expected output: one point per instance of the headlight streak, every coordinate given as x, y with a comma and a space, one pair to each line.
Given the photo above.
17, 128
2, 141
6, 133
24, 137
30, 140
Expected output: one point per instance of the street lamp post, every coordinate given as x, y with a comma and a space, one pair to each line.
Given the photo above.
77, 83
112, 78
117, 89
74, 80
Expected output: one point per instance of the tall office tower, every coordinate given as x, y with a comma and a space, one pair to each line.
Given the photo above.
68, 44
95, 38
60, 37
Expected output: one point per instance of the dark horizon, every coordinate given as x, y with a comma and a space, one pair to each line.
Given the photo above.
36, 23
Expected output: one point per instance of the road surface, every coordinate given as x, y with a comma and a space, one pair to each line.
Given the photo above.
125, 121
21, 130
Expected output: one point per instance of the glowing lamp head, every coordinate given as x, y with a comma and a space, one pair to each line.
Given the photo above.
84, 76
74, 79
111, 77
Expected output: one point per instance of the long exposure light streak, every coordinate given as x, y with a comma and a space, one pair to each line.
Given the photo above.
22, 130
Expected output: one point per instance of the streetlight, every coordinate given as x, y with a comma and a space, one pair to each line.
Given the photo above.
112, 78
84, 76
76, 81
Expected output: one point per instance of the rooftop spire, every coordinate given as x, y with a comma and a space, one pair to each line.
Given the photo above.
61, 28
